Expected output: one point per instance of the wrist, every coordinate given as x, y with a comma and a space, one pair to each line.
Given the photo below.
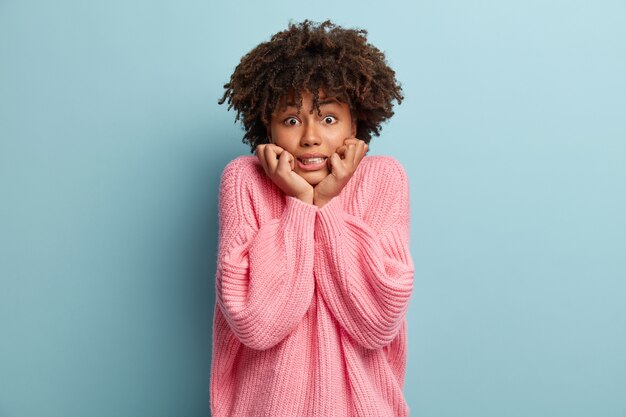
306, 197
320, 200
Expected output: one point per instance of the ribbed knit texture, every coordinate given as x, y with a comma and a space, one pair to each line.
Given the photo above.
311, 302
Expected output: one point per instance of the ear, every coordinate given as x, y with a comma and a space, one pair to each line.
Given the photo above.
269, 134
353, 128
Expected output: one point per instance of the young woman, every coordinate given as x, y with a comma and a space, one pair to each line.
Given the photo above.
314, 273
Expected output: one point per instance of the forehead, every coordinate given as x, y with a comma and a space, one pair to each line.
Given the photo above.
290, 100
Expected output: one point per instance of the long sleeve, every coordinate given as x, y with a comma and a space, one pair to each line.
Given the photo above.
311, 302
363, 265
264, 278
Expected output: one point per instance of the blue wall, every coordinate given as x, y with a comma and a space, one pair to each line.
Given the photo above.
513, 134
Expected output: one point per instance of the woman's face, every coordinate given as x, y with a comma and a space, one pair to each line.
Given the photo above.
309, 137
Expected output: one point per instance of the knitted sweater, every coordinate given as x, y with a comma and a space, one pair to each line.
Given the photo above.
310, 302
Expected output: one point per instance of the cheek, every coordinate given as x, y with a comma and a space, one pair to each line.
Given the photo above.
339, 137
274, 133
281, 137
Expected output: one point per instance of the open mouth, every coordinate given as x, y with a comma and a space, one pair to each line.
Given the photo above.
312, 163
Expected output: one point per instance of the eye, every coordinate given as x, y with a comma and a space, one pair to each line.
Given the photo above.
291, 121
329, 120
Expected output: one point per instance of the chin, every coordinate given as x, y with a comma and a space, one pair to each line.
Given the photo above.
314, 178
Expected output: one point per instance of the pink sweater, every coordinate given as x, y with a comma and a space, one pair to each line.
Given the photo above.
311, 302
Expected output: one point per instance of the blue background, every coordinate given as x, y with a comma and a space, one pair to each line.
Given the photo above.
513, 134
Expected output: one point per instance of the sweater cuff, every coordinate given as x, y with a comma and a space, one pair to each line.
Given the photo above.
330, 218
299, 215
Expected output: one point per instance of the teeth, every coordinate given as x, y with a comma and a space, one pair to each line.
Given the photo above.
312, 161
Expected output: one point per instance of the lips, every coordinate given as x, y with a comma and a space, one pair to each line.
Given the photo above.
312, 162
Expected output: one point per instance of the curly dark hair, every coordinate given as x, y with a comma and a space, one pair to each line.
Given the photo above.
313, 56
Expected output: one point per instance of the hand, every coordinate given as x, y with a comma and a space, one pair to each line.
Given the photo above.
279, 166
342, 164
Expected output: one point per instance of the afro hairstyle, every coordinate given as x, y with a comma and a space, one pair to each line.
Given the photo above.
311, 56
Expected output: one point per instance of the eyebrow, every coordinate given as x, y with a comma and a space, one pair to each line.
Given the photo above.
330, 100
325, 101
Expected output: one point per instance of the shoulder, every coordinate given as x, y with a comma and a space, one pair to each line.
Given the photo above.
241, 174
242, 166
383, 168
382, 162
244, 179
243, 169
380, 192
246, 191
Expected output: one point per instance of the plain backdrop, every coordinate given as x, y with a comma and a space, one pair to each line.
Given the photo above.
513, 134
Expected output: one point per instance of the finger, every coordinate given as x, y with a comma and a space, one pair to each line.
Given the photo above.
355, 151
270, 159
276, 149
284, 163
341, 151
360, 154
350, 153
260, 154
337, 168
361, 150
354, 141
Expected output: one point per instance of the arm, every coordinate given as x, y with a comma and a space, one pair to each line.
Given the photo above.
363, 268
264, 276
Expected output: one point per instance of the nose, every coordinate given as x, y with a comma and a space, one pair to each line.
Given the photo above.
310, 135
